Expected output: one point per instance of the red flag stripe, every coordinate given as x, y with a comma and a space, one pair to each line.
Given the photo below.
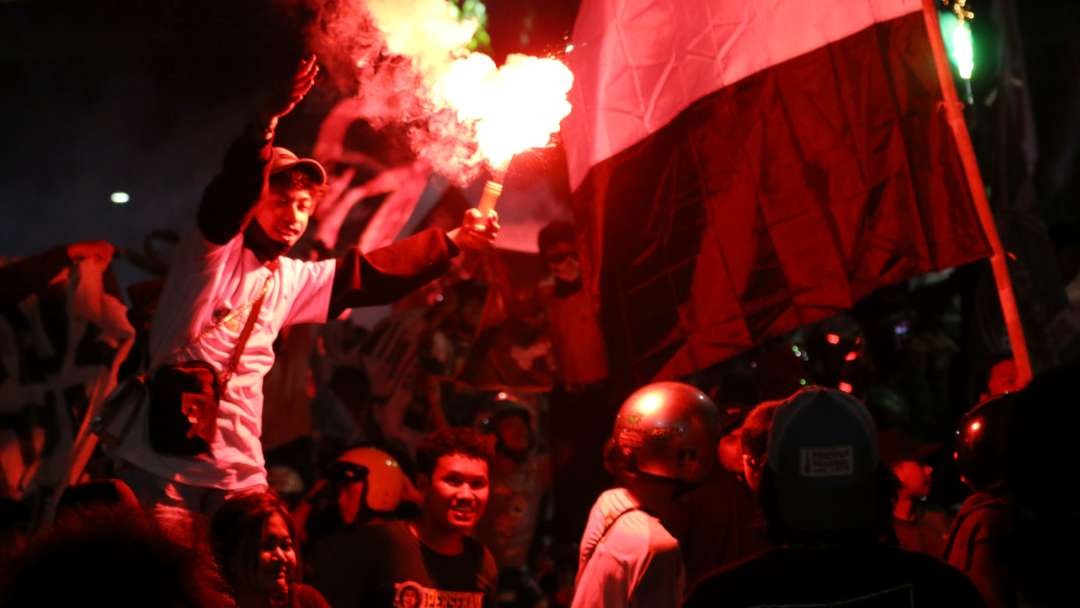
778, 201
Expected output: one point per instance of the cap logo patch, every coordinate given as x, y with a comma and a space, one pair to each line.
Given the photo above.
835, 461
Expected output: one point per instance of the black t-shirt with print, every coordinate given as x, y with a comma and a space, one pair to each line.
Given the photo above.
306, 596
384, 565
871, 576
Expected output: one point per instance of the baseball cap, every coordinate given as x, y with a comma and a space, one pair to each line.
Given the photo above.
823, 454
284, 159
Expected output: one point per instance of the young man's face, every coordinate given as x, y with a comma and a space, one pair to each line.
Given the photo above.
562, 261
514, 433
283, 214
457, 493
350, 496
751, 472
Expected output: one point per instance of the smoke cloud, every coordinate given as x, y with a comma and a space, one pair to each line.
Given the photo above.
408, 63
389, 53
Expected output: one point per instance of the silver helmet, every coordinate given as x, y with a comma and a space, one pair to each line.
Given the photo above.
666, 429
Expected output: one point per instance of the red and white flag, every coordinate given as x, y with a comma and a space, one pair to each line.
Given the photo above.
742, 168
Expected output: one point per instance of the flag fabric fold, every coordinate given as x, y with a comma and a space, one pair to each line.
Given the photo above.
740, 169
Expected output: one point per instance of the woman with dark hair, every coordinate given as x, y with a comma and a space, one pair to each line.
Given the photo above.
254, 543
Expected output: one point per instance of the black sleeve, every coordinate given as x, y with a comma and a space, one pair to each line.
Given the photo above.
340, 569
232, 194
20, 279
387, 274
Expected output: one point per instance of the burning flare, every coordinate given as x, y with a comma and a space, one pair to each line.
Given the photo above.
508, 109
513, 108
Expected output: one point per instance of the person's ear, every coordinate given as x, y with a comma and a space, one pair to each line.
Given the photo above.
610, 455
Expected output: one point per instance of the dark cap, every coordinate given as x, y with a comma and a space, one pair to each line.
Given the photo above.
284, 159
823, 454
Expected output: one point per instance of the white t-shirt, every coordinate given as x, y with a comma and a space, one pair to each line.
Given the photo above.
636, 563
205, 278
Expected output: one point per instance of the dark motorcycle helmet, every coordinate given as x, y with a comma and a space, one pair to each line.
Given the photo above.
666, 429
504, 406
386, 482
981, 450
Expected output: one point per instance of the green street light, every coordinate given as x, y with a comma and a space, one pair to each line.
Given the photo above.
958, 43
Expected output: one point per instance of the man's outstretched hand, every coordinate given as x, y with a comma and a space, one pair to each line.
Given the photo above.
476, 232
284, 102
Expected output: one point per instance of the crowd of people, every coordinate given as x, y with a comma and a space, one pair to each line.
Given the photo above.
474, 449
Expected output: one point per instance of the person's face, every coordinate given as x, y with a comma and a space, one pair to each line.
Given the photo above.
472, 312
457, 493
350, 494
729, 453
751, 471
284, 213
514, 433
562, 261
277, 557
915, 478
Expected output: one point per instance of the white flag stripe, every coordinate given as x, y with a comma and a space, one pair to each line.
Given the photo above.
638, 63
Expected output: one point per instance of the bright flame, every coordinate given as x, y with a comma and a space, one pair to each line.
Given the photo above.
514, 108
508, 109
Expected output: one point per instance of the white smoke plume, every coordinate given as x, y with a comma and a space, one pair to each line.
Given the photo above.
388, 53
403, 59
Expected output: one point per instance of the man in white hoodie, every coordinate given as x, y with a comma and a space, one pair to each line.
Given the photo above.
664, 443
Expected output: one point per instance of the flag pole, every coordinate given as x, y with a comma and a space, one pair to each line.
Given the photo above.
998, 263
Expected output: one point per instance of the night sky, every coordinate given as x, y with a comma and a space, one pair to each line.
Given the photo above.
140, 97
144, 96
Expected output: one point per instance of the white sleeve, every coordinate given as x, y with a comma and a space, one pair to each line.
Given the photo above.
605, 583
313, 284
663, 583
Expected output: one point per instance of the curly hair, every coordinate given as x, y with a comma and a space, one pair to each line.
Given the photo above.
452, 440
296, 179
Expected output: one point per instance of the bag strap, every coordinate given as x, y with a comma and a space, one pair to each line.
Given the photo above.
609, 523
249, 325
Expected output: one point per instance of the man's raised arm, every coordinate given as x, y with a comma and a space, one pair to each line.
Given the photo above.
231, 196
